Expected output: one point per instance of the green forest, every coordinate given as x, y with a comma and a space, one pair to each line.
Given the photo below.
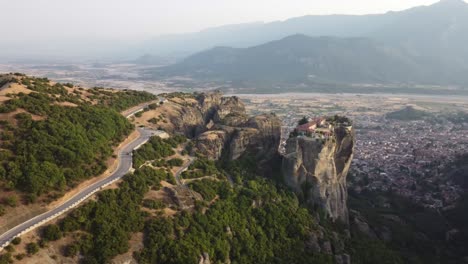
62, 145
156, 149
249, 220
273, 231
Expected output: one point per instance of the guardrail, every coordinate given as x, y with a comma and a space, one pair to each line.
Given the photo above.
132, 114
6, 242
75, 204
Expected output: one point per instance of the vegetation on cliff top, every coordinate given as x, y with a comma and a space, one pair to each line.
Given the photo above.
252, 222
49, 146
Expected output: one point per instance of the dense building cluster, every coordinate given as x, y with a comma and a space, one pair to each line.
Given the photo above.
409, 158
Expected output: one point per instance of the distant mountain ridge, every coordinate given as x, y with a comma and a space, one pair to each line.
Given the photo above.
423, 45
447, 19
301, 59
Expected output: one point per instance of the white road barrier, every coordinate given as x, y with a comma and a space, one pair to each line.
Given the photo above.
6, 241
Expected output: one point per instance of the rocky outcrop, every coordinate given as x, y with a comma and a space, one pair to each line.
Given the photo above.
212, 143
195, 114
215, 107
220, 127
230, 111
317, 168
258, 136
204, 259
231, 134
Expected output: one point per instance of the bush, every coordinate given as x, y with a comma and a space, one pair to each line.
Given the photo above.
16, 241
71, 250
176, 162
156, 148
32, 248
10, 248
11, 201
207, 188
153, 204
6, 258
153, 106
51, 233
201, 167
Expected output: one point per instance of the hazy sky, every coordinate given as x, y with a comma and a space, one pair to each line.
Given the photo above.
47, 28
39, 19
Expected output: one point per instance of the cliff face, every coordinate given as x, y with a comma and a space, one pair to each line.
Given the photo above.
259, 136
194, 114
220, 127
317, 168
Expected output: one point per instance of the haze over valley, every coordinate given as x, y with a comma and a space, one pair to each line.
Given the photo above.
327, 132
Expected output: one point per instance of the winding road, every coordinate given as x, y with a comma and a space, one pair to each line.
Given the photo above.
125, 164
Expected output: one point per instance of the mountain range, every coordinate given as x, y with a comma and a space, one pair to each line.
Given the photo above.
422, 45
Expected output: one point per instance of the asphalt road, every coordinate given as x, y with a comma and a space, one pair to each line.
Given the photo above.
125, 164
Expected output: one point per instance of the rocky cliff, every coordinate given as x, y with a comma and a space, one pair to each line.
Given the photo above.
219, 126
258, 136
317, 168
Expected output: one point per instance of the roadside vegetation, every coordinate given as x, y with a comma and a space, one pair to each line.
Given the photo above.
157, 149
49, 147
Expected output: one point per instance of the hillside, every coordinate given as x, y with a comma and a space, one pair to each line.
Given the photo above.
301, 59
420, 29
54, 136
407, 114
218, 211
406, 49
437, 31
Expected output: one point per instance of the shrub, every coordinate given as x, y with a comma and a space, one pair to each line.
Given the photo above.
153, 204
176, 162
20, 256
32, 248
16, 241
71, 250
152, 106
10, 248
11, 201
51, 233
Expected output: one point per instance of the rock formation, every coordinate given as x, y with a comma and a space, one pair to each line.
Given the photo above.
258, 136
220, 127
317, 168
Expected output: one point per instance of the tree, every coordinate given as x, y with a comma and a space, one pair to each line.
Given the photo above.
153, 106
6, 258
51, 233
2, 172
303, 121
32, 248
72, 250
16, 241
